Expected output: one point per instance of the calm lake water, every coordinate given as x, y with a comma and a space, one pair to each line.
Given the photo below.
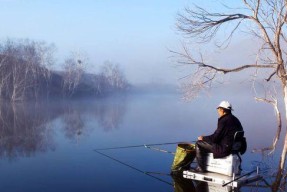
50, 147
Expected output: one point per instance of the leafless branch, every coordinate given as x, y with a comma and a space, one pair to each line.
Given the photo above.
237, 69
269, 78
203, 24
274, 103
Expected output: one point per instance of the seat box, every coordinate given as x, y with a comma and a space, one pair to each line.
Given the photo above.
226, 165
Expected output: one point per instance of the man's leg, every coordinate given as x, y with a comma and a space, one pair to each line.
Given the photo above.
202, 148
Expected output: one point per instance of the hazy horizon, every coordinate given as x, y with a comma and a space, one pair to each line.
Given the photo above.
135, 35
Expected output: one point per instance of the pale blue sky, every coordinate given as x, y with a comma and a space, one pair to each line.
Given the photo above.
134, 33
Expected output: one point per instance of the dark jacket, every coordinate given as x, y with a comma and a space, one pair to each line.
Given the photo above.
222, 138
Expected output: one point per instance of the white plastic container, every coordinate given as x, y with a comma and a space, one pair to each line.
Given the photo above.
226, 166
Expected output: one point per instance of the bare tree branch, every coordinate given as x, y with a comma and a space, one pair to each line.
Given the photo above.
274, 103
189, 60
237, 69
203, 24
269, 78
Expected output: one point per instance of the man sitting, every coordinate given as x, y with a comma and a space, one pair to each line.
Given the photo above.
221, 141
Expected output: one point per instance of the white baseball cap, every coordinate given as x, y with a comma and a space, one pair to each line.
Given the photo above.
225, 105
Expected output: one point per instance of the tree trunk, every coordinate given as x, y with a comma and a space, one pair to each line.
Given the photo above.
283, 156
276, 184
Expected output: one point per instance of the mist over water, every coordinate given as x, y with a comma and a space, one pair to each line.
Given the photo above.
50, 147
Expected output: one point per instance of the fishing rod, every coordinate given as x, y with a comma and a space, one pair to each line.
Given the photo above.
134, 168
158, 149
142, 145
249, 173
158, 173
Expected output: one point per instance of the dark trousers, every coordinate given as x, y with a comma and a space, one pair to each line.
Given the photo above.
202, 148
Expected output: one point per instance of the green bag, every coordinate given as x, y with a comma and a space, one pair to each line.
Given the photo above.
184, 155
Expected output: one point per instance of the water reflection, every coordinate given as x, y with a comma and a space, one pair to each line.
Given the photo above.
183, 185
26, 128
110, 115
73, 123
274, 178
187, 185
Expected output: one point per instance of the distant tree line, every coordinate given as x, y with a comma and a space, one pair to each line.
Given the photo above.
26, 74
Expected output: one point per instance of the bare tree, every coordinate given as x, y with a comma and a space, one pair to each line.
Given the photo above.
23, 68
113, 77
265, 21
74, 68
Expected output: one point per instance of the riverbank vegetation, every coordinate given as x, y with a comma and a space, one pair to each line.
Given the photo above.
26, 73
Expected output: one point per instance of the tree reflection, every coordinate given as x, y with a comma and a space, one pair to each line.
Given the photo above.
24, 130
110, 114
74, 124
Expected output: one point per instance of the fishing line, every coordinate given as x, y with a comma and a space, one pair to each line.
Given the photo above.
134, 168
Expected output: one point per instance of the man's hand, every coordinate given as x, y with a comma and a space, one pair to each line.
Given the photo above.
200, 138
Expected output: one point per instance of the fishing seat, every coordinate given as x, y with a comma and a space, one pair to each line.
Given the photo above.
237, 142
230, 164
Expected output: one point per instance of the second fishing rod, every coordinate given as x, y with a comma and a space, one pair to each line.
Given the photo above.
143, 145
